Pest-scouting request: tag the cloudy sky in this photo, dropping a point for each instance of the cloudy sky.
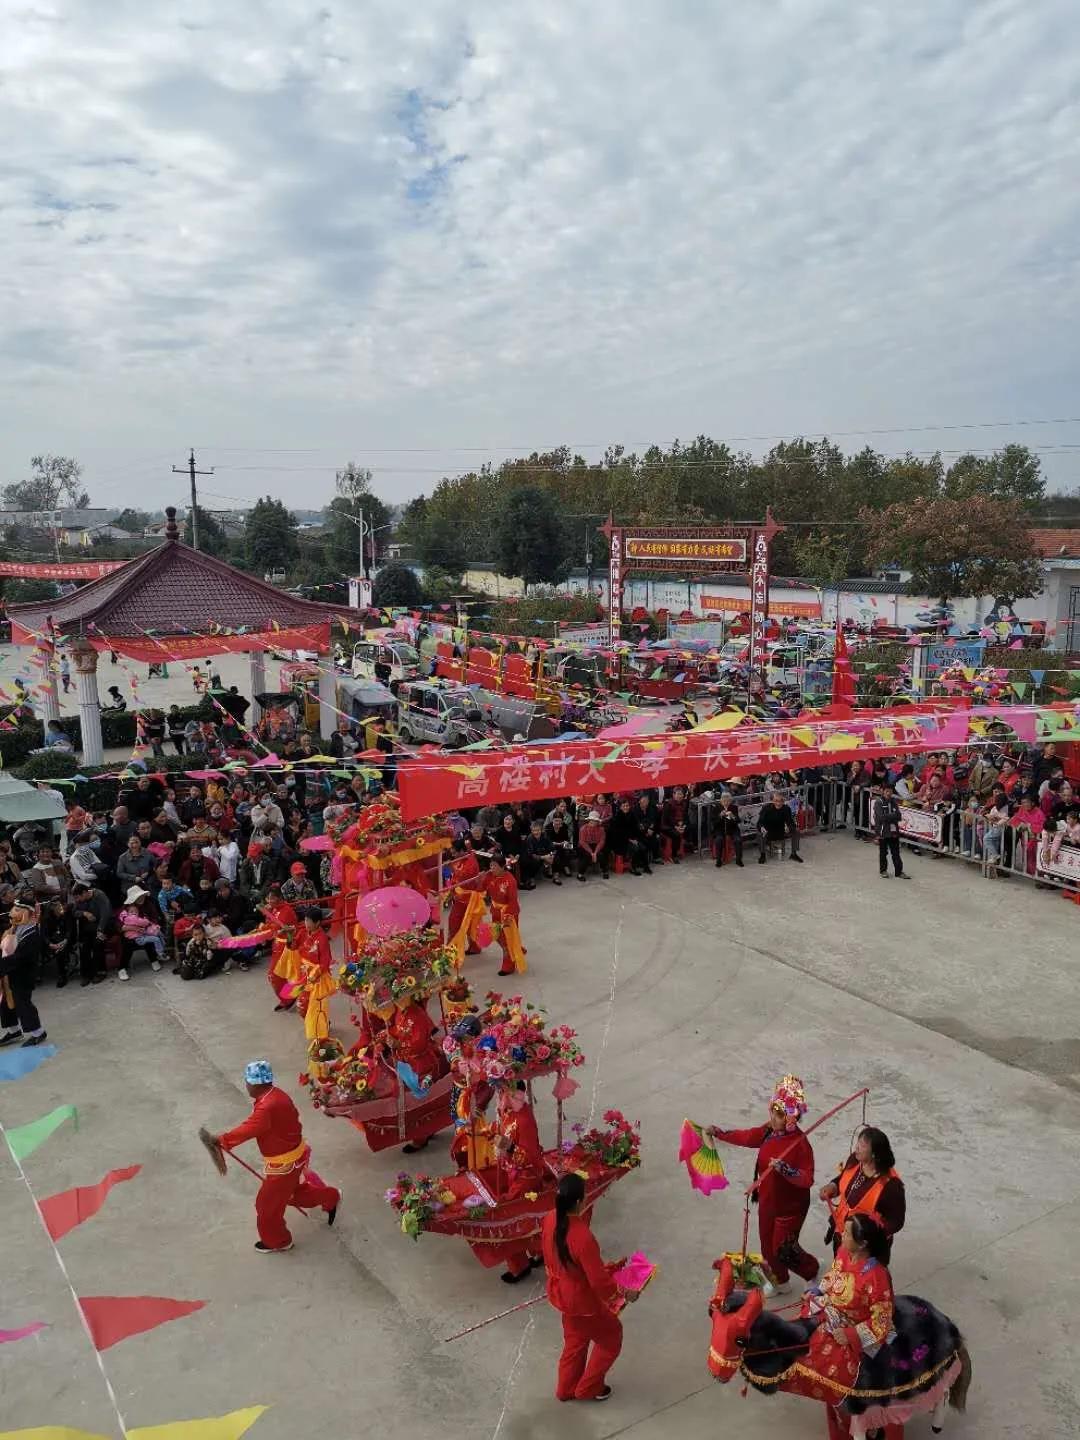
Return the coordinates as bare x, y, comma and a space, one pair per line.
419, 236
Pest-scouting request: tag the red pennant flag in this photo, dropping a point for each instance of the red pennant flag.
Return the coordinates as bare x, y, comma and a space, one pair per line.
63, 1212
112, 1318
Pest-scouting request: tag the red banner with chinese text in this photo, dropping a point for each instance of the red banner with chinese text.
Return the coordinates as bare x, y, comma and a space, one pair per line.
434, 783
62, 570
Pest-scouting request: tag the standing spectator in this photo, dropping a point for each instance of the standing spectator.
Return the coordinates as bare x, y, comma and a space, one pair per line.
648, 819
20, 955
885, 816
65, 672
93, 918
1027, 825
175, 724
591, 847
227, 857
775, 824
84, 863
10, 870
154, 730
192, 807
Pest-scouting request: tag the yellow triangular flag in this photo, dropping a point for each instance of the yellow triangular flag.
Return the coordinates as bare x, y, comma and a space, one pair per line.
726, 720
842, 742
803, 734
50, 1432
217, 1427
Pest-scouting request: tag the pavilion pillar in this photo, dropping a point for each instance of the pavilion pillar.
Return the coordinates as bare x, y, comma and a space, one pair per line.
48, 707
86, 689
257, 674
328, 716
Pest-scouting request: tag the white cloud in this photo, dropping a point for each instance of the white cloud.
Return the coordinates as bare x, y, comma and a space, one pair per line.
271, 224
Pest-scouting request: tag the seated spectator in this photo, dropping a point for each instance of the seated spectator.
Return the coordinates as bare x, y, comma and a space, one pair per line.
673, 824
624, 839
139, 931
775, 824
134, 866
1027, 823
58, 938
906, 785
84, 862
200, 959
57, 738
540, 857
298, 889
592, 847
48, 875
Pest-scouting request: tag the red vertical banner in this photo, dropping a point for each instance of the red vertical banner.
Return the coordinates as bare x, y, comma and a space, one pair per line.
615, 584
759, 603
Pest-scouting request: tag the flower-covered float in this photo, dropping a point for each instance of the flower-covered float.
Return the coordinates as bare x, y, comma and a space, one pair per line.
394, 1083
506, 1178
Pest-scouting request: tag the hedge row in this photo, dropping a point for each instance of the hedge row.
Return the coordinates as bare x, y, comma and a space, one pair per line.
116, 730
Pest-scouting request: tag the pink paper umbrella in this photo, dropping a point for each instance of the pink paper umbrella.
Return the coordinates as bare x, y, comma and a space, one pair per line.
391, 910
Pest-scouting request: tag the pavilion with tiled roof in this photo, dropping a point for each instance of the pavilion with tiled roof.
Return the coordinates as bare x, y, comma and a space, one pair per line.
173, 603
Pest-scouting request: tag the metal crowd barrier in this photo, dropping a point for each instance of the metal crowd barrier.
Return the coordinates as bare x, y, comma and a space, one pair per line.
998, 850
818, 805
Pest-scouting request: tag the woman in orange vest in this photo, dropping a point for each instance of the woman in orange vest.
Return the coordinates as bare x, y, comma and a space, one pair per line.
867, 1185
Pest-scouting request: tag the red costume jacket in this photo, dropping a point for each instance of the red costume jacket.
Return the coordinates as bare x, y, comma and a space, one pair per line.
786, 1192
274, 1125
465, 869
314, 946
585, 1287
411, 1035
502, 891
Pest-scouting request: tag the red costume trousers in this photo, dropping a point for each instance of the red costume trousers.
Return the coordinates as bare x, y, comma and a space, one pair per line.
780, 1246
582, 1375
300, 1187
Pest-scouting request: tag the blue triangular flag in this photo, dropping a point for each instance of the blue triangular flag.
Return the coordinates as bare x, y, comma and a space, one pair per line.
14, 1064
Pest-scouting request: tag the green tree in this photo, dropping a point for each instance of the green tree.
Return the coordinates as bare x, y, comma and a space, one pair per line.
442, 546
530, 538
212, 537
355, 501
824, 558
134, 521
54, 483
1009, 474
396, 584
411, 525
957, 548
270, 536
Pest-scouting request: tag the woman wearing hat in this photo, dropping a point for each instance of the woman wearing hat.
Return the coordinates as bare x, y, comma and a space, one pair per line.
784, 1177
20, 951
140, 932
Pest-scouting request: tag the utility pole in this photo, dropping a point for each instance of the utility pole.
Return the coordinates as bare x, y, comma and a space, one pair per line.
588, 557
363, 550
190, 469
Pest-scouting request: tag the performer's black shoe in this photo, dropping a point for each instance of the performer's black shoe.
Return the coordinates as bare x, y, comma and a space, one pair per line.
739, 864
413, 1147
605, 1394
509, 1278
272, 1249
797, 858
34, 1040
761, 859
10, 1039
331, 1215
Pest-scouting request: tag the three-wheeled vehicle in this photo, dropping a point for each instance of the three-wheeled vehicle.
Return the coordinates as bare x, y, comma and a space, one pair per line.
387, 658
432, 712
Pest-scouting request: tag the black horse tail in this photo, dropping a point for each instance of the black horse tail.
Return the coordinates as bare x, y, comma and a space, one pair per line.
960, 1386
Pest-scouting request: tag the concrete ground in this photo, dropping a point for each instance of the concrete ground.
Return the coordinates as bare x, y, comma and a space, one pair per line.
952, 998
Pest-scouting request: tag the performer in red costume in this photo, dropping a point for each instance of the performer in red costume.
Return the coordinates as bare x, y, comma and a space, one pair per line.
412, 1039
785, 1174
580, 1286
274, 1124
520, 1164
280, 913
466, 879
313, 945
854, 1305
502, 893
